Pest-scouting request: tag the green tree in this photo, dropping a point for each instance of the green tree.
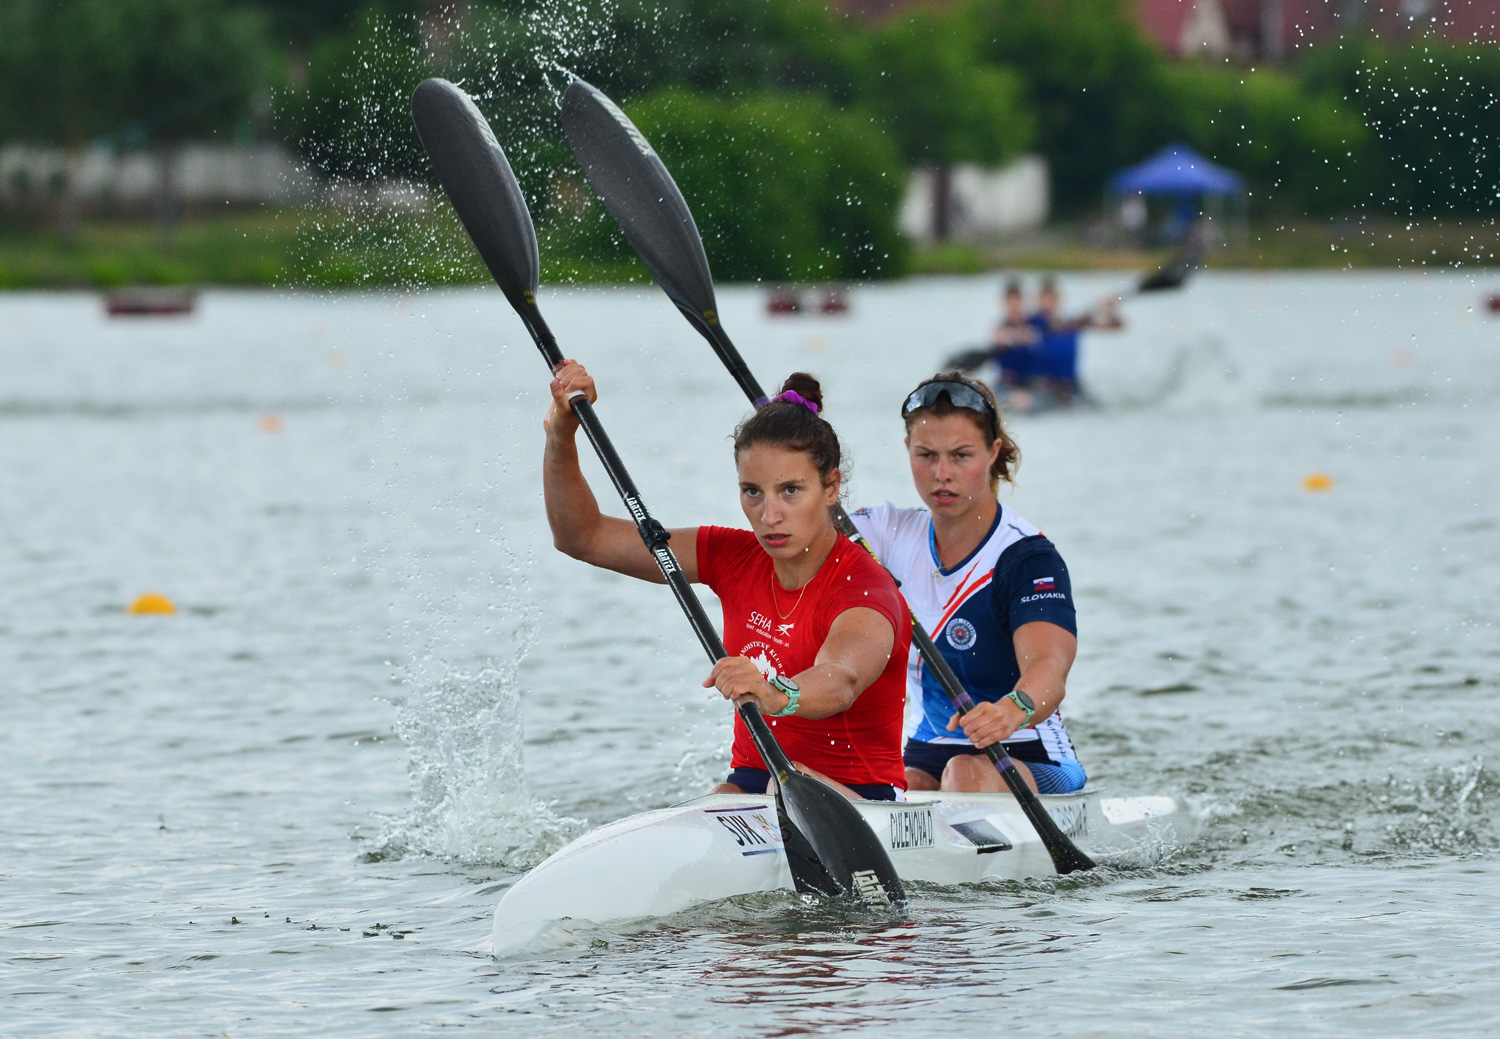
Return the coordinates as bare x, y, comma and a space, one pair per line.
783, 185
926, 77
352, 118
1092, 83
131, 70
134, 72
1433, 111
1298, 147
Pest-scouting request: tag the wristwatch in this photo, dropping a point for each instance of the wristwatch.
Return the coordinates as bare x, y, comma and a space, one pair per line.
792, 691
1022, 701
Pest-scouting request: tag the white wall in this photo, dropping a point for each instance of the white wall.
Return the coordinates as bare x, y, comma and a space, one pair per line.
201, 173
986, 203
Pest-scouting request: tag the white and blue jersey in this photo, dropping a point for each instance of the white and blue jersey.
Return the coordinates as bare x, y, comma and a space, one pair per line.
972, 611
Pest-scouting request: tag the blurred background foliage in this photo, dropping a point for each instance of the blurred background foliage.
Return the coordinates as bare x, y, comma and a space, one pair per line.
791, 127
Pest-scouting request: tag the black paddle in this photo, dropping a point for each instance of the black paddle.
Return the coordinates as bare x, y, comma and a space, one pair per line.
644, 200
830, 848
1188, 259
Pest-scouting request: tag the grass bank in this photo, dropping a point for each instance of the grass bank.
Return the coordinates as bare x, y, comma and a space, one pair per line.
328, 248
238, 249
370, 248
1332, 244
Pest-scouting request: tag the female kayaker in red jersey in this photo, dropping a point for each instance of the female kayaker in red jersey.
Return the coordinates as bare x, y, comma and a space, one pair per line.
816, 630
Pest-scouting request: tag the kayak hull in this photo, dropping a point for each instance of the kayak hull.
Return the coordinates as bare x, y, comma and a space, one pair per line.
721, 845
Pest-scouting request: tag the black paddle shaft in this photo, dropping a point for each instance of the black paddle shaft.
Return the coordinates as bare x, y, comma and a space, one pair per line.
829, 847
645, 201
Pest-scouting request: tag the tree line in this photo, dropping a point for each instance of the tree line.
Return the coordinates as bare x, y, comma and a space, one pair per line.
791, 127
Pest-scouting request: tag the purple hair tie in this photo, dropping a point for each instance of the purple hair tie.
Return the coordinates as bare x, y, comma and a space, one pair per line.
796, 398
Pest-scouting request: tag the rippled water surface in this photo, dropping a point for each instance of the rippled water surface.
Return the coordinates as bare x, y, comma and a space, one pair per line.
290, 807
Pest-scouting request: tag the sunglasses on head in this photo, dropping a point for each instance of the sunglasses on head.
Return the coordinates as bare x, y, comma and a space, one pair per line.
959, 395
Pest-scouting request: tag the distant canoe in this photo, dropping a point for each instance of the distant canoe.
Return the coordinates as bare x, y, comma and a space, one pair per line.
829, 300
150, 302
833, 303
783, 301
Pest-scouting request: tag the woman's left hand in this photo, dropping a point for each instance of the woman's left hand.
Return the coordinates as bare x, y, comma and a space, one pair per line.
740, 680
989, 723
569, 380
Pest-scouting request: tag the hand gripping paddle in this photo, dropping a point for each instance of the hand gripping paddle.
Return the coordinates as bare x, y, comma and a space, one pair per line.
644, 200
829, 847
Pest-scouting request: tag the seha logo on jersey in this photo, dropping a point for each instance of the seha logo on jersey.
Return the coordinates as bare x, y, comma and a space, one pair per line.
960, 633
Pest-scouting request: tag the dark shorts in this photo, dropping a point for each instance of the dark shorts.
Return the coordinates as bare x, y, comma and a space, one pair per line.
1052, 777
755, 780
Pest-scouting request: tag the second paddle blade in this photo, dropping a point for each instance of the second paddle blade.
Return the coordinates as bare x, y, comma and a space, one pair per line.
852, 858
642, 197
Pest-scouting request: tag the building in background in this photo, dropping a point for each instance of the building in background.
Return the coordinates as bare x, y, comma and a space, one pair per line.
969, 203
197, 177
1273, 30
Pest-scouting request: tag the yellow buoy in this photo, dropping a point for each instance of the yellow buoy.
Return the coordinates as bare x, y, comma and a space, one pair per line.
153, 603
1317, 482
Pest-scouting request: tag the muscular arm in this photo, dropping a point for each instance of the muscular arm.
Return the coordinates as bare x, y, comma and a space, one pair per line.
579, 529
1045, 652
857, 650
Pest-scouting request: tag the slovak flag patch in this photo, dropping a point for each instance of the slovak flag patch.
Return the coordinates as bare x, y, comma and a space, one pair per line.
1042, 584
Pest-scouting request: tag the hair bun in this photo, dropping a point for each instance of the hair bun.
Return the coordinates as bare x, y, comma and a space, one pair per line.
804, 386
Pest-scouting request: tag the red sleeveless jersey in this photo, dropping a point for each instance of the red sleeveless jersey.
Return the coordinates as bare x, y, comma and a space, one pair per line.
860, 745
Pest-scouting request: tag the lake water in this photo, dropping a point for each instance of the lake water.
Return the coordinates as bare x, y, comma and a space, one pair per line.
289, 809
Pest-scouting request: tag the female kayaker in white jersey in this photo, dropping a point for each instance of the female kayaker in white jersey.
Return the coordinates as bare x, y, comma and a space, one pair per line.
991, 589
816, 630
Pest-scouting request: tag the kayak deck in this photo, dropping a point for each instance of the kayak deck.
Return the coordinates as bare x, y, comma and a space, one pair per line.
721, 845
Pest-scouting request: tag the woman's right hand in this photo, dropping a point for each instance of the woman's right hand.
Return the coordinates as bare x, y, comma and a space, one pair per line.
568, 381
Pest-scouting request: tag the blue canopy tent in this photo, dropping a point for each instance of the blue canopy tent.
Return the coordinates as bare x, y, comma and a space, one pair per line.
1177, 172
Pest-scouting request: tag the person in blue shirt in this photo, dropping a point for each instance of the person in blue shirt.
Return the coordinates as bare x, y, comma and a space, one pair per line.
1054, 362
1013, 343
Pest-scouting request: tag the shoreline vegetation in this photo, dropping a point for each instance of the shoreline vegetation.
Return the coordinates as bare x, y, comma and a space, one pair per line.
349, 249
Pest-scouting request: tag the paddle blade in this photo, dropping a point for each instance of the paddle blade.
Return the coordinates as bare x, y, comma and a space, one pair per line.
969, 360
642, 197
477, 177
831, 849
1175, 272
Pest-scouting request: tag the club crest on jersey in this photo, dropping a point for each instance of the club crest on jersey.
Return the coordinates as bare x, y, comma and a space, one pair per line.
1043, 584
960, 633
764, 658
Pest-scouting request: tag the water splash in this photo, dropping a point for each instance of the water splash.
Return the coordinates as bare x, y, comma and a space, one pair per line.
470, 800
1403, 817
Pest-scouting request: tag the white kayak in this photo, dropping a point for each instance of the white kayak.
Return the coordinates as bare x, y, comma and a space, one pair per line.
722, 845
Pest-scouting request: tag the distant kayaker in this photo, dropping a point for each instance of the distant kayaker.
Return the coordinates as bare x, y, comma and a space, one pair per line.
990, 588
1054, 363
1015, 338
817, 632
